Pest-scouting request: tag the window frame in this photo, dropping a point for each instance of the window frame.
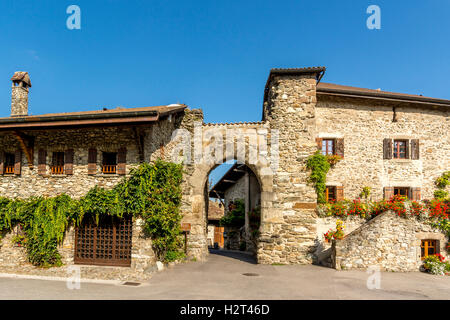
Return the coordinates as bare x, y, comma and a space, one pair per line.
9, 165
425, 246
407, 189
396, 151
109, 168
327, 193
333, 146
58, 161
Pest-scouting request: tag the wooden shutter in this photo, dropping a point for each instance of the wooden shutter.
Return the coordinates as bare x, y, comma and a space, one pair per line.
68, 161
339, 193
387, 149
92, 161
407, 149
415, 194
319, 143
340, 147
42, 162
2, 162
388, 193
415, 149
17, 162
122, 161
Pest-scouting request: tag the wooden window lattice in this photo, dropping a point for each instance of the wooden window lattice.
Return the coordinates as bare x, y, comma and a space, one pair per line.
107, 244
428, 248
9, 163
109, 162
401, 149
58, 163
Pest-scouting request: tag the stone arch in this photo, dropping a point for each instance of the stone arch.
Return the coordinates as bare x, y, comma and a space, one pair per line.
198, 179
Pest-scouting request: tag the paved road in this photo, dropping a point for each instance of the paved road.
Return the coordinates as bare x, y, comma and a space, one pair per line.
222, 277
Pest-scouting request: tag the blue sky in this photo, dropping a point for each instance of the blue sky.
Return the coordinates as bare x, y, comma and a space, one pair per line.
215, 55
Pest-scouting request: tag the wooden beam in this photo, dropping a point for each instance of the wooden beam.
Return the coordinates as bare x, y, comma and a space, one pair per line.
219, 197
27, 145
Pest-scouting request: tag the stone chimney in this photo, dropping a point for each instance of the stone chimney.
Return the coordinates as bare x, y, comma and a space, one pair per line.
19, 96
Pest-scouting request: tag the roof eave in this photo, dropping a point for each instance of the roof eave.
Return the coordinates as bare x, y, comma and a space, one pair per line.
382, 96
80, 120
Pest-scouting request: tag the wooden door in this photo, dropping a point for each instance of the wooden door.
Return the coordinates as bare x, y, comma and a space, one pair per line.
106, 244
218, 236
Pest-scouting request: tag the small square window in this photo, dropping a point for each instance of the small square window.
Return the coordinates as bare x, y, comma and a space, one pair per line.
58, 163
9, 163
401, 191
400, 149
109, 162
327, 147
330, 194
428, 248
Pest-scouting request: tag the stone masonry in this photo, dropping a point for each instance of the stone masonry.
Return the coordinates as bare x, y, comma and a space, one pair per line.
387, 241
296, 111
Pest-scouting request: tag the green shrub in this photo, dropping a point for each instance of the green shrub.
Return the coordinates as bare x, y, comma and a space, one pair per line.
444, 180
440, 194
236, 217
152, 192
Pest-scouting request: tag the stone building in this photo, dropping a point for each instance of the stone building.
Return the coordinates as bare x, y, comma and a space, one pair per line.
393, 143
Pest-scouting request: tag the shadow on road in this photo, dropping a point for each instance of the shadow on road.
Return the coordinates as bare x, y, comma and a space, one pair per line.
238, 255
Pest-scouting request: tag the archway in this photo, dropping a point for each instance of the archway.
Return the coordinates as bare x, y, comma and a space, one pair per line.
200, 200
233, 210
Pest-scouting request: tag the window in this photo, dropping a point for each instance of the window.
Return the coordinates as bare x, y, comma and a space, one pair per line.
428, 248
9, 163
330, 194
401, 191
328, 146
400, 149
109, 162
58, 163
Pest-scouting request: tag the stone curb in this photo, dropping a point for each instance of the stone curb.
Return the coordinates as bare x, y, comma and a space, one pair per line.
49, 278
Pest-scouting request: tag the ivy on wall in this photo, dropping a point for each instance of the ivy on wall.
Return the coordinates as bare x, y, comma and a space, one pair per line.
152, 192
319, 165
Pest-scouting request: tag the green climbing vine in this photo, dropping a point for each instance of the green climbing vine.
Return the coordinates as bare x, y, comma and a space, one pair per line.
319, 165
152, 192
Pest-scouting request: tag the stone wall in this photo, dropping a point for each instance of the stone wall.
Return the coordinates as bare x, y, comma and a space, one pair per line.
157, 143
323, 225
13, 259
30, 183
196, 193
388, 241
235, 192
288, 233
364, 125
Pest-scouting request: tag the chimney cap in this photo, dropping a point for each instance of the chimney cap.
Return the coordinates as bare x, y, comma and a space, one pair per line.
22, 76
